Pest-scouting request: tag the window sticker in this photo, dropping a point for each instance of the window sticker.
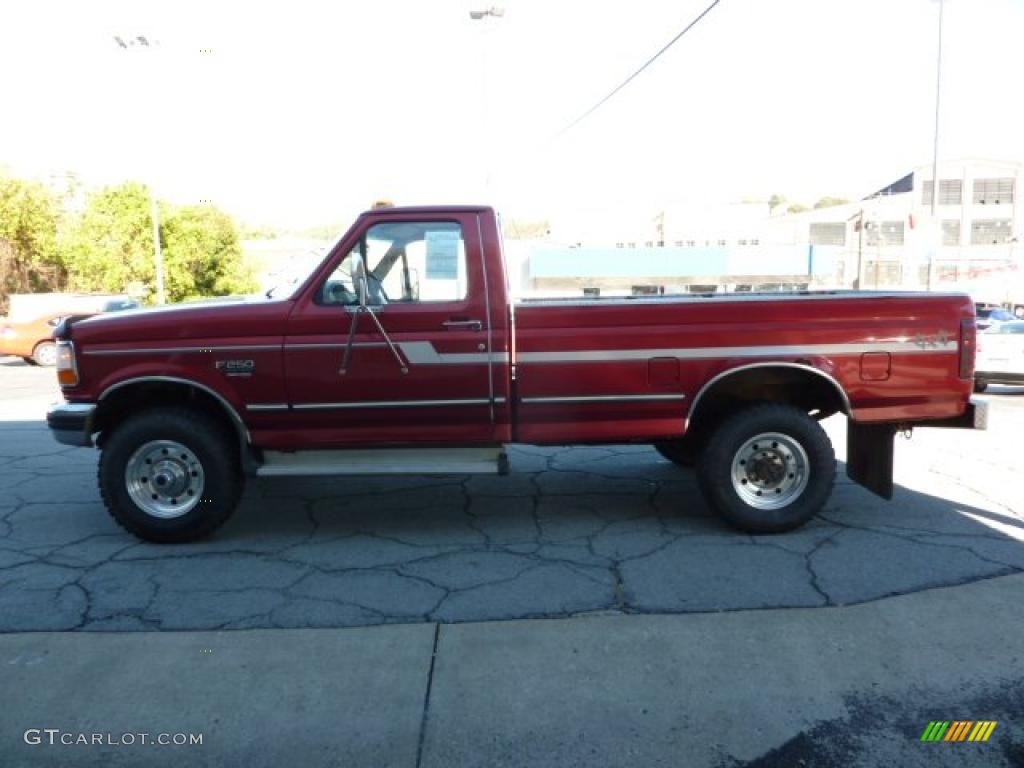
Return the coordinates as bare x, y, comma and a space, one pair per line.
442, 254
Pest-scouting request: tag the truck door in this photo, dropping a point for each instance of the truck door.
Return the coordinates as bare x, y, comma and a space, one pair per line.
414, 365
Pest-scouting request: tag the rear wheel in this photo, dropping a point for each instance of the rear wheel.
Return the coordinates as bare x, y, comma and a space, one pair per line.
767, 469
170, 475
45, 353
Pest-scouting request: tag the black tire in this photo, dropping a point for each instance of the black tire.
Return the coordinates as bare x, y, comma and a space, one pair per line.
808, 487
681, 452
45, 353
980, 385
203, 440
30, 361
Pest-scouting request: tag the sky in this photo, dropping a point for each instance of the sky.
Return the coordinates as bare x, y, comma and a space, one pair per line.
302, 113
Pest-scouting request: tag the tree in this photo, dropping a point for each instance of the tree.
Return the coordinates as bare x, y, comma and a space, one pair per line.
776, 200
797, 208
203, 256
112, 246
829, 202
29, 257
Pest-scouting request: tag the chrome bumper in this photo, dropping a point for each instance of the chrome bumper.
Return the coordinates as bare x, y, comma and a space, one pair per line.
71, 423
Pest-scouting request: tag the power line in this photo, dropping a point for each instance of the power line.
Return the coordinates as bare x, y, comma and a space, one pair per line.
646, 64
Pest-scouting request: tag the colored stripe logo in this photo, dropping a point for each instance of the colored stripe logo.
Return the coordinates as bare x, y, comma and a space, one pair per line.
958, 730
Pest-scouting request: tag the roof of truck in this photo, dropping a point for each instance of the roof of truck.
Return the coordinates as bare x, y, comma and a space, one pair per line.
406, 209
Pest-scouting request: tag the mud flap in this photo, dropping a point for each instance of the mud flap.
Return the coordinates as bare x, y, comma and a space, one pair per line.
869, 456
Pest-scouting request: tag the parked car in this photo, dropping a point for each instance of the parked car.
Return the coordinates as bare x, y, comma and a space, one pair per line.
989, 316
32, 340
1000, 355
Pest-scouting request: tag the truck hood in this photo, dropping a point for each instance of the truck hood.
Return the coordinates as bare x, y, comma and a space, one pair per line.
198, 321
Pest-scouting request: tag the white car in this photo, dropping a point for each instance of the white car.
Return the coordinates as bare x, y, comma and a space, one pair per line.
1000, 355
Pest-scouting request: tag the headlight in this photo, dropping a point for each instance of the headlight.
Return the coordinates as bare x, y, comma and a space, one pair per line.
67, 366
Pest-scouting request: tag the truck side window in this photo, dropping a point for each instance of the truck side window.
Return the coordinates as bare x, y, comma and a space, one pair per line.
406, 262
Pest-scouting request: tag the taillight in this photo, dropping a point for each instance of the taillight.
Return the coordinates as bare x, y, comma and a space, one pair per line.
67, 366
968, 347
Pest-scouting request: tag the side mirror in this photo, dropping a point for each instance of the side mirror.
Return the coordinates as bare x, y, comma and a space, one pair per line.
359, 278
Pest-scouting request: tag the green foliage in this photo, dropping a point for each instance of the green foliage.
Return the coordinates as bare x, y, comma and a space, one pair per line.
112, 247
776, 200
797, 208
202, 255
829, 202
29, 257
250, 232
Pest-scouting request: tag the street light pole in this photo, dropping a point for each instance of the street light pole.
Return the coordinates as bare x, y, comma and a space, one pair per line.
935, 156
497, 13
154, 207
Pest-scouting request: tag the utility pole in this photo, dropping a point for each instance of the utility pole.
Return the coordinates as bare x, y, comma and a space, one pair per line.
141, 41
935, 156
485, 117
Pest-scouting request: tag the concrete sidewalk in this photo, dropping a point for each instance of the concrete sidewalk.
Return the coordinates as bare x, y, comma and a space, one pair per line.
851, 686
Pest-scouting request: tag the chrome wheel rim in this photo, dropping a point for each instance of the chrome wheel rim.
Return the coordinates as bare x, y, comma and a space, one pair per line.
164, 478
770, 471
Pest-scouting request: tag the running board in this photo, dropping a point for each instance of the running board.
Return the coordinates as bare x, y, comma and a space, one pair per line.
385, 461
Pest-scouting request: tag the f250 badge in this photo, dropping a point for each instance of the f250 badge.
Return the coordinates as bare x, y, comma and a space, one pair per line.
236, 367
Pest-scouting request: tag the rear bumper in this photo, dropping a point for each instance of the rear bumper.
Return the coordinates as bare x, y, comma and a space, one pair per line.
72, 423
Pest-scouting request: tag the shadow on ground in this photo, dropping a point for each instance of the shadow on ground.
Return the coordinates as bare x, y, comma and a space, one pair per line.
571, 531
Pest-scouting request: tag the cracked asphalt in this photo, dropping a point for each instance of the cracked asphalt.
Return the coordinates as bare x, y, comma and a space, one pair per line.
572, 531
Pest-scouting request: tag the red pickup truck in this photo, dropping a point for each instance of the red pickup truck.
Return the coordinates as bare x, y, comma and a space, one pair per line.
402, 353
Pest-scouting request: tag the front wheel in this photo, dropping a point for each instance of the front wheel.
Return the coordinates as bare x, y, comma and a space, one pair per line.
767, 469
170, 475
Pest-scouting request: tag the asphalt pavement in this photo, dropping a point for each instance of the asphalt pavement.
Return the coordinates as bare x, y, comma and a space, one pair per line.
612, 546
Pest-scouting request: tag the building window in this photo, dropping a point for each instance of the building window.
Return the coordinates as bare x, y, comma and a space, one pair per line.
755, 241
721, 242
618, 245
679, 243
691, 243
648, 290
828, 233
993, 191
592, 293
742, 242
649, 244
631, 245
883, 233
950, 192
990, 231
951, 232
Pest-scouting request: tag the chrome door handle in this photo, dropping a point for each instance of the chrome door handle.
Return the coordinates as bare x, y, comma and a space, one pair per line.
458, 325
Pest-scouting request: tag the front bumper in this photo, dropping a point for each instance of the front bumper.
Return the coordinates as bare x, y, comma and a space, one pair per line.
72, 423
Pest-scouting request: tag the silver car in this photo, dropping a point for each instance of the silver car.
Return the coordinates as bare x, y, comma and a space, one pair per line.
1000, 355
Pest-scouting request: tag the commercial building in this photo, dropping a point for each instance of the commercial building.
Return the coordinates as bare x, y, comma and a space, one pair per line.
886, 240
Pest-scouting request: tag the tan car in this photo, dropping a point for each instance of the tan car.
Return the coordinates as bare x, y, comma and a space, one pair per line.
32, 340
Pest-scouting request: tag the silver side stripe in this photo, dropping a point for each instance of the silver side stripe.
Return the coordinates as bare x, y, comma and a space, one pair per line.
182, 350
704, 353
424, 352
390, 404
602, 398
370, 404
